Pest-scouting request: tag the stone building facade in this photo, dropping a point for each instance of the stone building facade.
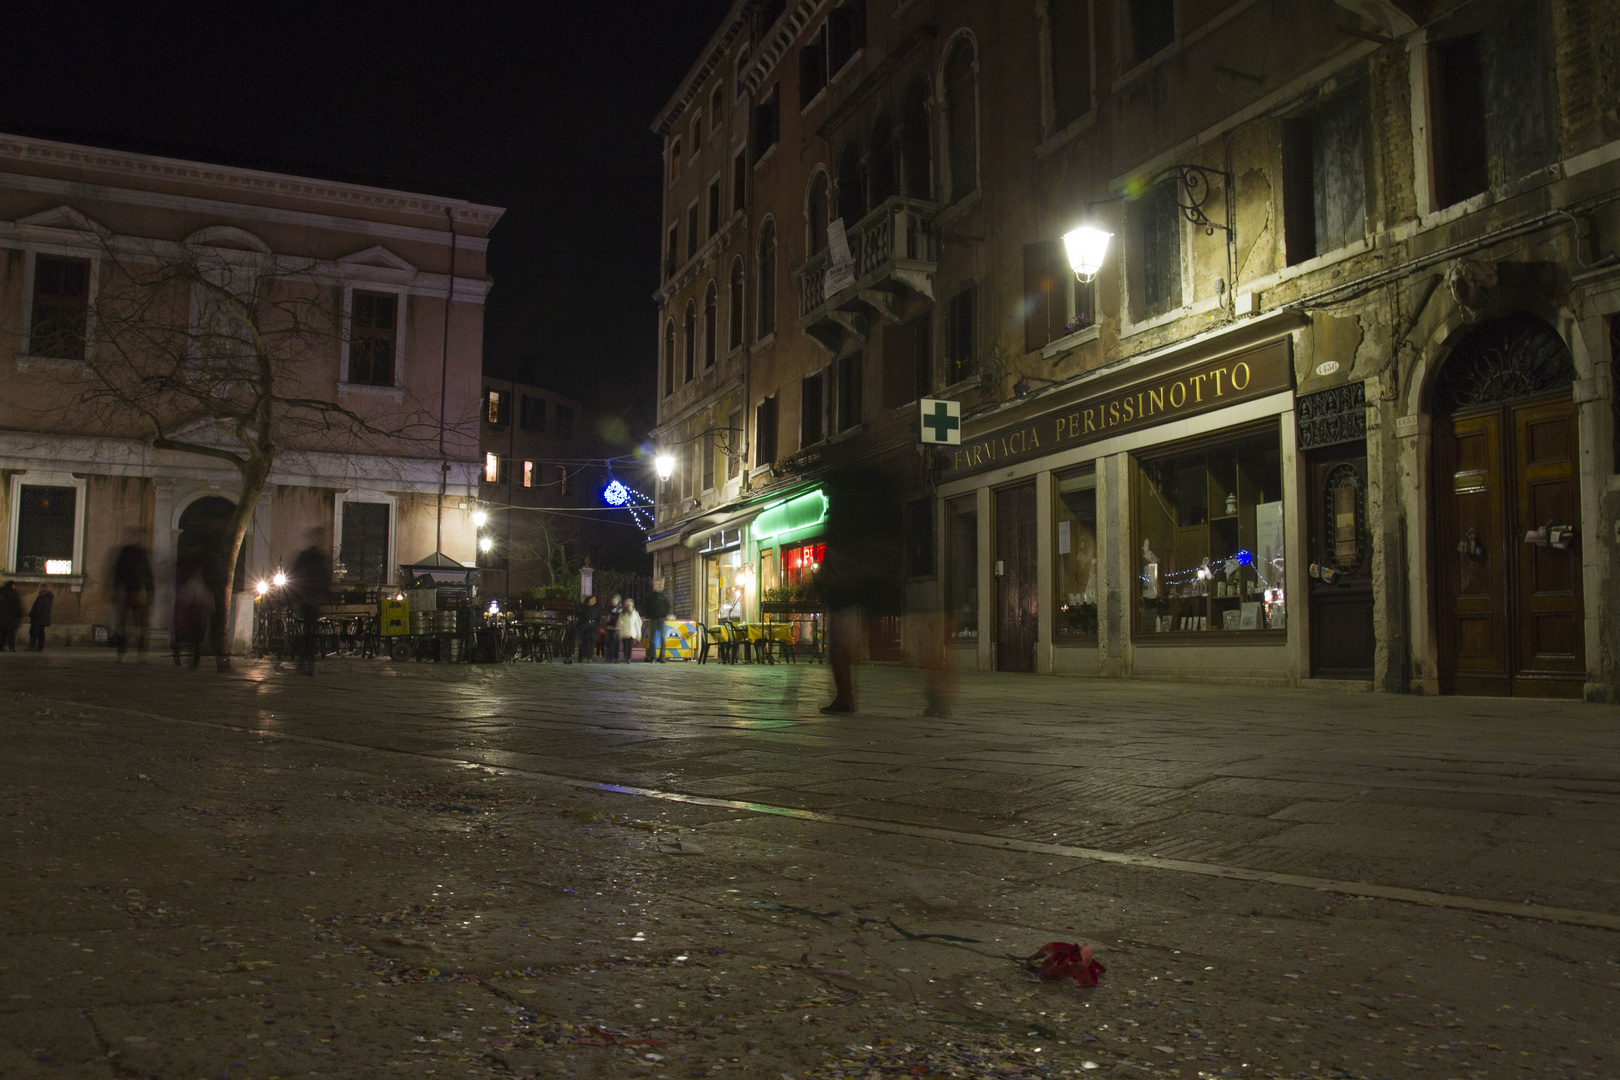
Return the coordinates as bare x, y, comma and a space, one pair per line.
399, 279
1336, 408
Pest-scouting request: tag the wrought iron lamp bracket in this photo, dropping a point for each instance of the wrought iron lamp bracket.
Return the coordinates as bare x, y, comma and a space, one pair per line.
1192, 191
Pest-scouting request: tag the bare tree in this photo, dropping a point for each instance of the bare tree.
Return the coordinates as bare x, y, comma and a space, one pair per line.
230, 355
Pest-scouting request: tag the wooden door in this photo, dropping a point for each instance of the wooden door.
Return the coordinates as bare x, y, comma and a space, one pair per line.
1472, 555
1509, 610
1014, 558
1551, 637
1339, 585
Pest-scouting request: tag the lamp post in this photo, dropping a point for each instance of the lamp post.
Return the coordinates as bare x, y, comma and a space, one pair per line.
1087, 247
665, 464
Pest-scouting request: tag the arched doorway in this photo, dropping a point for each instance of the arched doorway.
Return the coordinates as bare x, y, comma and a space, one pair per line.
200, 551
1506, 487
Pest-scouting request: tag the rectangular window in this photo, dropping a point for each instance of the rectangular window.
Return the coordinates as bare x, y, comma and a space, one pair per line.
734, 441
364, 546
1208, 541
565, 422
1153, 28
691, 230
1070, 27
709, 446
371, 339
813, 68
1074, 558
1490, 104
528, 474
674, 160
739, 180
496, 407
960, 353
850, 377
1156, 224
688, 470
846, 34
739, 84
767, 123
919, 525
717, 103
532, 414
492, 468
765, 432
672, 252
61, 308
697, 134
1324, 182
908, 360
1044, 307
812, 409
714, 207
962, 568
46, 519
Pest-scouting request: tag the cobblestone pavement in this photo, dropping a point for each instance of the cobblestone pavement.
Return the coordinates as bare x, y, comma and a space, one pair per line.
547, 870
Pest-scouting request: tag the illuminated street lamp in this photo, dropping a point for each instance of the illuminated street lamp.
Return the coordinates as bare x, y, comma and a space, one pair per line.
485, 544
1087, 246
262, 587
665, 464
479, 518
279, 580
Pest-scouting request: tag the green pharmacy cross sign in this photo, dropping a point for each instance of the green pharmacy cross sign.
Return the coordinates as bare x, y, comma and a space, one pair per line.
941, 422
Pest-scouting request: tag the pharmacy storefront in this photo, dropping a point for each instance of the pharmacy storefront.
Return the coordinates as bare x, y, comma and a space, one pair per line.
1145, 520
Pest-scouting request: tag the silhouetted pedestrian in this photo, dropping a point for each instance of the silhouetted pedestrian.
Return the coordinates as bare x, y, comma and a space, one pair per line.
193, 612
628, 629
585, 627
657, 611
132, 593
10, 616
610, 628
39, 617
309, 581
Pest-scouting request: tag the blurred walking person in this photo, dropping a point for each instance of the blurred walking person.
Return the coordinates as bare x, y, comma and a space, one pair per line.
586, 620
862, 569
610, 628
657, 613
10, 616
628, 628
39, 617
193, 612
132, 593
309, 581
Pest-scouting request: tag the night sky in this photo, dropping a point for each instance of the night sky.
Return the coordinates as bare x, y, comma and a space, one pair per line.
540, 107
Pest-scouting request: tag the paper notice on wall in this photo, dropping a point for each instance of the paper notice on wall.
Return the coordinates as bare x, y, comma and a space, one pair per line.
840, 263
1063, 537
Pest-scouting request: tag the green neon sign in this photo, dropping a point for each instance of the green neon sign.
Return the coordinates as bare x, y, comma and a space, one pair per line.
801, 512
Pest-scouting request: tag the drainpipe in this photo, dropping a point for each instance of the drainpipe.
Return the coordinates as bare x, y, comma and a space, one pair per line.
444, 377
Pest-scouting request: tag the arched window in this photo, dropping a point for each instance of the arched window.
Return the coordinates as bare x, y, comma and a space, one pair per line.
818, 212
916, 146
711, 324
962, 120
767, 280
736, 303
880, 160
691, 340
669, 357
851, 185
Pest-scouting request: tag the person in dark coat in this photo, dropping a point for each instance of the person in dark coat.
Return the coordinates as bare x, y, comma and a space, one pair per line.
10, 616
39, 617
132, 593
193, 612
586, 621
610, 626
308, 583
654, 611
862, 567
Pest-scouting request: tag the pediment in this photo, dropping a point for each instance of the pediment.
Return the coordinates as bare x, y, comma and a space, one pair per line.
229, 237
376, 255
65, 217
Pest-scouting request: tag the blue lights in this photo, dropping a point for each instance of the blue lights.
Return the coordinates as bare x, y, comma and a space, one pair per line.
616, 494
1245, 558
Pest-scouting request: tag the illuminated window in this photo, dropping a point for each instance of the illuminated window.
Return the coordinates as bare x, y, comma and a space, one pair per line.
496, 406
492, 468
46, 517
528, 474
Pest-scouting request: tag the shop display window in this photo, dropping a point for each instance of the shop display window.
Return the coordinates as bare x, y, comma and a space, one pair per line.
962, 568
724, 586
1209, 541
1074, 559
800, 562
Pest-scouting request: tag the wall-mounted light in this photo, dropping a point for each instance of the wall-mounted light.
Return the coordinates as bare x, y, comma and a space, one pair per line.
665, 464
262, 587
485, 544
480, 519
279, 579
1087, 247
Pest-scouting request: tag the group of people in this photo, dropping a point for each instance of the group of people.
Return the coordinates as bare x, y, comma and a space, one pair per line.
11, 616
612, 630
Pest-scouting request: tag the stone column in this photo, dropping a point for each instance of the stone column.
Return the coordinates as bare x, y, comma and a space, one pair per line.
163, 540
1116, 566
1043, 573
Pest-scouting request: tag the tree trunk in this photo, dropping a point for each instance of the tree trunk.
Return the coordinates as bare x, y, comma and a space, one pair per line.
254, 473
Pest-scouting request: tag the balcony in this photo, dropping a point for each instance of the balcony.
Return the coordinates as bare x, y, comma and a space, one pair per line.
895, 255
